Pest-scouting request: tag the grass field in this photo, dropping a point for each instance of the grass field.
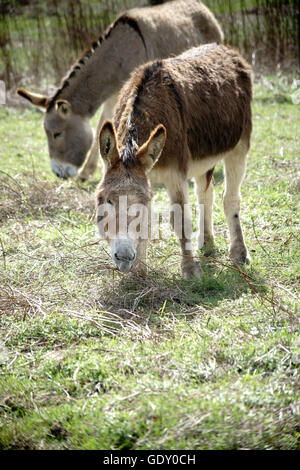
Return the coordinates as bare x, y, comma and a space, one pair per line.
93, 359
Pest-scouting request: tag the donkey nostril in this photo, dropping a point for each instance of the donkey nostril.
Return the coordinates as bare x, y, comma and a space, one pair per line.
125, 258
60, 175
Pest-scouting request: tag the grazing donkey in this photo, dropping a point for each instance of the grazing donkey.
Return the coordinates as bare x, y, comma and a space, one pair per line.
136, 37
175, 119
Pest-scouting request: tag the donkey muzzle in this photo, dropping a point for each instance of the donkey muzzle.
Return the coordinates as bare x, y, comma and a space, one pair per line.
123, 252
63, 170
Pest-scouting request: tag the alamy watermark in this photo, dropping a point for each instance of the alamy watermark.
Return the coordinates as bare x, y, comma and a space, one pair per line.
139, 221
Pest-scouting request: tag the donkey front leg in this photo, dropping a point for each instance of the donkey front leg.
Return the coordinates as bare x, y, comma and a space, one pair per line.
235, 168
90, 164
182, 224
205, 194
140, 266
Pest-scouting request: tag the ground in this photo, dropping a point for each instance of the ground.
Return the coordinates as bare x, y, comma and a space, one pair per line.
93, 359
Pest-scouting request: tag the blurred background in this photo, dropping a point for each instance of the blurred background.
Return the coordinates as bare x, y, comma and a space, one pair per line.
40, 40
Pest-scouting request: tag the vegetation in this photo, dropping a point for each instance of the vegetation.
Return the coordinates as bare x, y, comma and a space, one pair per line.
94, 359
40, 40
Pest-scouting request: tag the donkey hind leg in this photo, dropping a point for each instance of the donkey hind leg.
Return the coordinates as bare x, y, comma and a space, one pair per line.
90, 164
235, 168
181, 221
205, 196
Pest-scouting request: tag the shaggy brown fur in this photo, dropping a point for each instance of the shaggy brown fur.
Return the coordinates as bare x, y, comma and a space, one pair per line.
203, 101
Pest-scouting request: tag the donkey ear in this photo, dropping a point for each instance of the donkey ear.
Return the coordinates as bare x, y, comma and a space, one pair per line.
63, 108
151, 150
34, 98
108, 144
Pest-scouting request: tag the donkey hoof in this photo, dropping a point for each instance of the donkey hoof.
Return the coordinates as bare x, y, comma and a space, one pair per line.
81, 177
239, 256
84, 175
192, 271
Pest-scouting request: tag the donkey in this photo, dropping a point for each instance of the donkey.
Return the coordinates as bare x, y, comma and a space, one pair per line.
175, 119
134, 38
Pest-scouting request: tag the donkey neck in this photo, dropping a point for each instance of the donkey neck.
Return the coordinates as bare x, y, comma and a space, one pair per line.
102, 69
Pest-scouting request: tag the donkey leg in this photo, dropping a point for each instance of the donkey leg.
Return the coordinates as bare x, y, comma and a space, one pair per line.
90, 164
140, 266
182, 224
205, 196
235, 168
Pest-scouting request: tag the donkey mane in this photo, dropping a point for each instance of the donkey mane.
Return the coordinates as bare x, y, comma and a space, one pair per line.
128, 153
152, 72
88, 52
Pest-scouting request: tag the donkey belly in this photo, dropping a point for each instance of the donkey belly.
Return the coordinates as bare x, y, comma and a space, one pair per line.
201, 166
170, 175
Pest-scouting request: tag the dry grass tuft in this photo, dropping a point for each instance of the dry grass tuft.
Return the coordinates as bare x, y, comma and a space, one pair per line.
35, 198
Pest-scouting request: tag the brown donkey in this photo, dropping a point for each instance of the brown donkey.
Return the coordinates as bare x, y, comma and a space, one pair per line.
175, 119
136, 37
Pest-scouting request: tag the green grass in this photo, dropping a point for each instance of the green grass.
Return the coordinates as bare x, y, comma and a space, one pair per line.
93, 359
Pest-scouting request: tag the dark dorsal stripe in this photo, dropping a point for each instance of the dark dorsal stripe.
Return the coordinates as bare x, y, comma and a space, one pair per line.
126, 19
80, 62
149, 72
172, 86
157, 68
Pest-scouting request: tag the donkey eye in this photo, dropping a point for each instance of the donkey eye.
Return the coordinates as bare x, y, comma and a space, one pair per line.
56, 134
109, 202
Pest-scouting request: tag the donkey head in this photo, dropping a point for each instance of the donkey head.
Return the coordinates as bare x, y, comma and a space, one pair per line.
124, 194
69, 134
